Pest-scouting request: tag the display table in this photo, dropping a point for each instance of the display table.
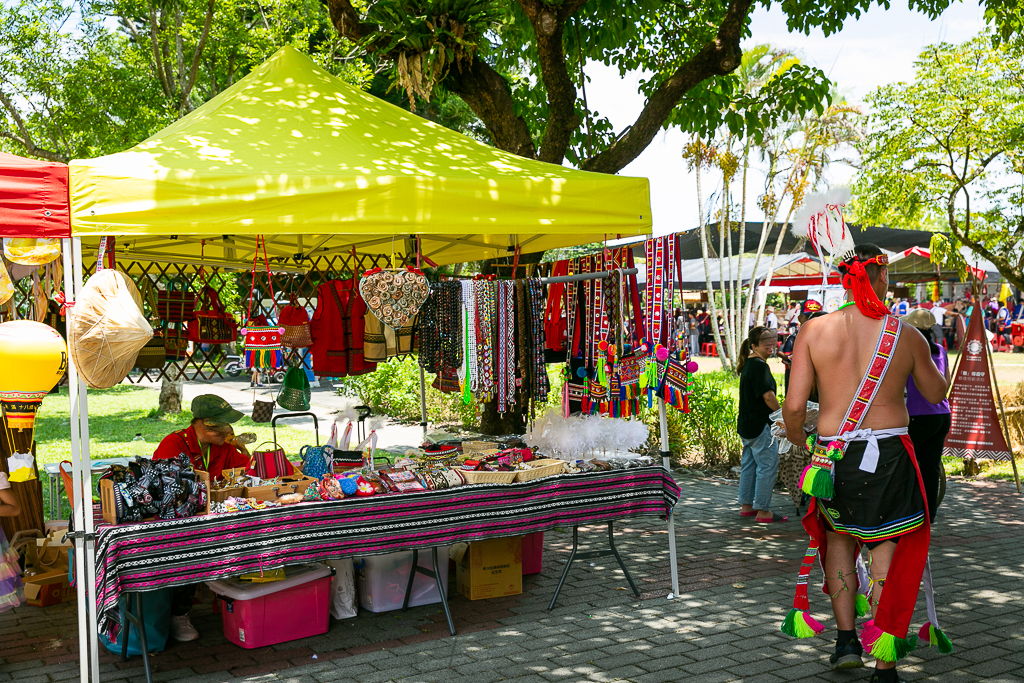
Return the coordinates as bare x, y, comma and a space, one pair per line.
156, 554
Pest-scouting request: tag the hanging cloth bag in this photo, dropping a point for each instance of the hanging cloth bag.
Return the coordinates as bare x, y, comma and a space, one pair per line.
175, 305
211, 323
295, 323
262, 342
262, 411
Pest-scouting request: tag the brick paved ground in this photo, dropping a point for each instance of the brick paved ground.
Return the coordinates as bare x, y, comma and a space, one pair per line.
736, 579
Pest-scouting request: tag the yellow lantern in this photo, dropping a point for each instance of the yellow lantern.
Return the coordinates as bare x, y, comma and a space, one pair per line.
33, 358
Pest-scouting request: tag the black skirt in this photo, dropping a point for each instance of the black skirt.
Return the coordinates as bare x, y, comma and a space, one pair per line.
880, 505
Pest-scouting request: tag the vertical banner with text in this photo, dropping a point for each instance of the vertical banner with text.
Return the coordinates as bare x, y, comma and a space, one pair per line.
975, 431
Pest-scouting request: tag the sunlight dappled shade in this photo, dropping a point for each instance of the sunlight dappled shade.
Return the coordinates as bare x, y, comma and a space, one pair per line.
290, 148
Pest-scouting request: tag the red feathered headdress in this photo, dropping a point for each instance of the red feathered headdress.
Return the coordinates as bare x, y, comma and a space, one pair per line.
855, 278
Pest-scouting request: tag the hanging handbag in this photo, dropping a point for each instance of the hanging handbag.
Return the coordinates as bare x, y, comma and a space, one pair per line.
262, 341
295, 323
295, 391
262, 411
211, 323
153, 355
270, 464
175, 306
175, 342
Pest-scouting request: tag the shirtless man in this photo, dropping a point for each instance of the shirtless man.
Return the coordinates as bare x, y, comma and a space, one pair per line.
873, 504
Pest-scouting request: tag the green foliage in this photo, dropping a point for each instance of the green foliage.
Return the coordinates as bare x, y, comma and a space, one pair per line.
947, 143
79, 80
709, 429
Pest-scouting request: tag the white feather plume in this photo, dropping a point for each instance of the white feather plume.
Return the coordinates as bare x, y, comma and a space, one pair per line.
815, 204
577, 436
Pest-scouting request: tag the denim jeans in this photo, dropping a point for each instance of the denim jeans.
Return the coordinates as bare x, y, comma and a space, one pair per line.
759, 466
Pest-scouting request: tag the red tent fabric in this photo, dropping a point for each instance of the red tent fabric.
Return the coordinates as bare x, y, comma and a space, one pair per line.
33, 198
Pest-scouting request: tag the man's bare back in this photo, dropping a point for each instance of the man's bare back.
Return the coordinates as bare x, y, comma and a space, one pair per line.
833, 352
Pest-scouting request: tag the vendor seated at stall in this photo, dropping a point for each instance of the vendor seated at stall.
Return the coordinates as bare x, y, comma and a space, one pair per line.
206, 443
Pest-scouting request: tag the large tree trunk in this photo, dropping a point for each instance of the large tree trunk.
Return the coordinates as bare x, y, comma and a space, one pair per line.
170, 396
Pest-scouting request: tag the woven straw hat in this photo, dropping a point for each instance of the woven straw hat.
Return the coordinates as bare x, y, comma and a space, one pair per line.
920, 318
106, 329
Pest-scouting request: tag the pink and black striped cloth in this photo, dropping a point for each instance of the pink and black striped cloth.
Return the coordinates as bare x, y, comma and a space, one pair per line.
156, 554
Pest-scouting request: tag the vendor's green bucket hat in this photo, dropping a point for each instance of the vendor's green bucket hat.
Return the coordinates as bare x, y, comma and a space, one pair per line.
295, 391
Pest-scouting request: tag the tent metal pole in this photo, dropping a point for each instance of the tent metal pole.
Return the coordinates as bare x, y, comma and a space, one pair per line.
666, 461
89, 577
75, 497
587, 276
423, 402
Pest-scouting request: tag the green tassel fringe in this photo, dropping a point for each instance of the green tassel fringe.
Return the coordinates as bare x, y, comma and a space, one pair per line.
863, 606
889, 648
795, 625
818, 483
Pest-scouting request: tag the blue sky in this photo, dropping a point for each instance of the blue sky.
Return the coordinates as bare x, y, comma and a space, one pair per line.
878, 48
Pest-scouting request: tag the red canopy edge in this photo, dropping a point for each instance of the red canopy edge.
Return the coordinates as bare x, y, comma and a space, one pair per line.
33, 198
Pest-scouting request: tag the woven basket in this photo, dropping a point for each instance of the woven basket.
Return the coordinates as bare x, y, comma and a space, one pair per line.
478, 446
488, 477
542, 468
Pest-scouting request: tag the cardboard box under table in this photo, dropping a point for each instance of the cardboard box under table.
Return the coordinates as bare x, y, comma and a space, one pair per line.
490, 569
261, 614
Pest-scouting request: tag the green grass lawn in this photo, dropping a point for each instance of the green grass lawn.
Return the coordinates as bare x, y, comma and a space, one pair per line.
116, 415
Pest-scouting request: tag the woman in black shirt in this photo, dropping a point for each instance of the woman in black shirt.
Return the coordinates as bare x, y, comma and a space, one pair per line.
759, 464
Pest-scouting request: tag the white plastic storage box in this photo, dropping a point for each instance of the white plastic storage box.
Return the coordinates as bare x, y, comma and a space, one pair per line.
261, 614
382, 579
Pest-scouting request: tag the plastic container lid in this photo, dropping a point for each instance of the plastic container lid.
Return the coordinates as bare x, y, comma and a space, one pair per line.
295, 575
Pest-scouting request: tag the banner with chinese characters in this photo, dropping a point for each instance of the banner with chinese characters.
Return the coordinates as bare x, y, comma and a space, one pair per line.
975, 431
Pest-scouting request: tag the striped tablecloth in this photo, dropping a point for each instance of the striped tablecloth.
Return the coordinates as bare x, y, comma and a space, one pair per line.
151, 555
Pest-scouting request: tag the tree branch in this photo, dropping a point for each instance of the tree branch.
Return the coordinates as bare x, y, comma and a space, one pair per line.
488, 95
194, 71
346, 20
25, 139
548, 24
717, 58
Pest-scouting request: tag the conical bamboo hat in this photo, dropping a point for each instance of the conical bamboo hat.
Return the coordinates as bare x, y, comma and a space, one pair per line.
106, 329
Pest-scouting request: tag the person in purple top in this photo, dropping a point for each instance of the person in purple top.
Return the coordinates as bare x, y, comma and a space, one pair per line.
929, 422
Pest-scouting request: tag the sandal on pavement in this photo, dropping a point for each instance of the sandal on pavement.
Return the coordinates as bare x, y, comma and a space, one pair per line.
776, 517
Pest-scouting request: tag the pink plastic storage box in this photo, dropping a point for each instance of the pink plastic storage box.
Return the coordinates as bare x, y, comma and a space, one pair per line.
382, 579
533, 553
261, 614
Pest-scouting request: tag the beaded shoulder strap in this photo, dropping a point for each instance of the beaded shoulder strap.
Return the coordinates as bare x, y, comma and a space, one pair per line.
874, 375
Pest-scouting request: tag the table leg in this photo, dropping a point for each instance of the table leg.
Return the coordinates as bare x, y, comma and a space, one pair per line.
139, 622
436, 575
590, 555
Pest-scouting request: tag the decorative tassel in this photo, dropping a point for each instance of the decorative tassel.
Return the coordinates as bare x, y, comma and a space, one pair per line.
863, 606
932, 635
885, 646
817, 482
800, 624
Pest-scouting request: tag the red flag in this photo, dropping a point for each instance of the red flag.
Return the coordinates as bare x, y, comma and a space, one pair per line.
975, 430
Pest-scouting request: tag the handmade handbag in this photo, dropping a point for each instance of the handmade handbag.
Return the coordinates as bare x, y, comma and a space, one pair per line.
262, 411
295, 323
175, 342
344, 460
317, 460
175, 306
153, 355
270, 464
211, 323
295, 391
262, 341
394, 295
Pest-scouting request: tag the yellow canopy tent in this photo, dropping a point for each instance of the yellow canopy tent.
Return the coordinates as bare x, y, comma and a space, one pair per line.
316, 164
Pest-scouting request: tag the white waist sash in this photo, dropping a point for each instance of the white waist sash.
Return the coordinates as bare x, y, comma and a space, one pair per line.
870, 460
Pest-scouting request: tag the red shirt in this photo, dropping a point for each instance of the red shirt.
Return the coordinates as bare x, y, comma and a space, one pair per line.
224, 457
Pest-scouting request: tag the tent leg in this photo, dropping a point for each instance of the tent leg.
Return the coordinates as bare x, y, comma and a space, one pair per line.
76, 499
423, 402
666, 461
88, 577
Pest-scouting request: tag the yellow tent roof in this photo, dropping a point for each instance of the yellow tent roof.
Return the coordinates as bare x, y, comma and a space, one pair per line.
292, 150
